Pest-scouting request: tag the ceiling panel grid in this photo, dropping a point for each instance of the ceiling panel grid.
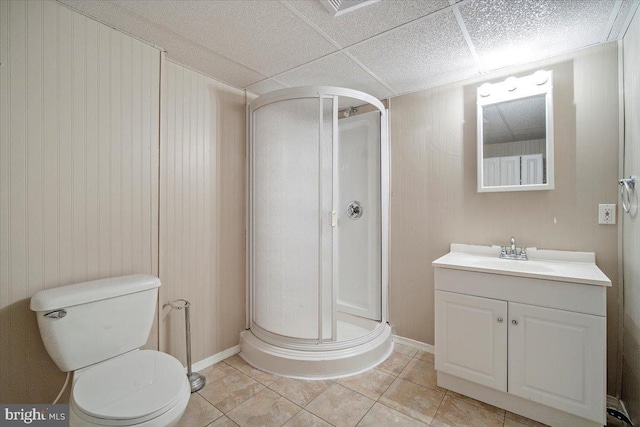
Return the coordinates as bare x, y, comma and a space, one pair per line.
386, 48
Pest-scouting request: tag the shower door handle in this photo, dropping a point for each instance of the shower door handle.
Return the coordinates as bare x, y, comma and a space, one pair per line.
333, 218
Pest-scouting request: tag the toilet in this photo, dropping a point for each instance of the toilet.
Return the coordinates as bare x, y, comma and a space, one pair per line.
95, 330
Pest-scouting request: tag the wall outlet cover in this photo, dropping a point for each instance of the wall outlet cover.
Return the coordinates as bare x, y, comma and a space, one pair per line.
606, 214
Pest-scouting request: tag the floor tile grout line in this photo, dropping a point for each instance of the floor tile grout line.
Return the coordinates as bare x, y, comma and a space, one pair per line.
435, 414
365, 414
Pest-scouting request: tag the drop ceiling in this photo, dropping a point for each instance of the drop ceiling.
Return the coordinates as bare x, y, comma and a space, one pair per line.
385, 48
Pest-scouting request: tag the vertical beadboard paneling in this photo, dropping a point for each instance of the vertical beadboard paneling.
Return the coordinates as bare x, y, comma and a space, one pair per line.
17, 191
50, 148
104, 152
126, 244
65, 177
151, 159
5, 249
631, 224
115, 151
79, 139
434, 200
91, 137
201, 211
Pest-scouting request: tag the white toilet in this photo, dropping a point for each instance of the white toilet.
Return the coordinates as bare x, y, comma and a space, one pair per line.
95, 329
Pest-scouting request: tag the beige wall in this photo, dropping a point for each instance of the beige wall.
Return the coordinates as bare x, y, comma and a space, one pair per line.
78, 171
79, 184
433, 184
89, 182
631, 224
202, 211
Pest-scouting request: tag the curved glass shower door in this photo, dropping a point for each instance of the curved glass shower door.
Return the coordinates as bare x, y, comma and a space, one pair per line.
292, 193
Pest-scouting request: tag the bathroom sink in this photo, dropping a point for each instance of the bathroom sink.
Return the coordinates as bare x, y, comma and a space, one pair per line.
563, 266
512, 265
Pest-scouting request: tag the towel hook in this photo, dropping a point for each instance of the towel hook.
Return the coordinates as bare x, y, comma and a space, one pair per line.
627, 186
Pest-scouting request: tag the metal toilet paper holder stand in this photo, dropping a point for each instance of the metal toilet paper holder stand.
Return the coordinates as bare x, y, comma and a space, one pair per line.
196, 380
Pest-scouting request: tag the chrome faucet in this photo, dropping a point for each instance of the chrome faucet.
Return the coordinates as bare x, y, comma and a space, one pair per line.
513, 252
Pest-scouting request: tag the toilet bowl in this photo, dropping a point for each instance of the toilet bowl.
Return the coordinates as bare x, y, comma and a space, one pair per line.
95, 330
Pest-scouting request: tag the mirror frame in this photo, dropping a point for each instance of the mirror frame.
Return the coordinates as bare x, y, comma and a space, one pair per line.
538, 83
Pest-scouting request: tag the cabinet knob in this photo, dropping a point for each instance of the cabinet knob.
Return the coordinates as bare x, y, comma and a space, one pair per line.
514, 322
499, 319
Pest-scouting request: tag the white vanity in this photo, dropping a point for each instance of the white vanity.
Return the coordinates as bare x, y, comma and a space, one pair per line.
526, 336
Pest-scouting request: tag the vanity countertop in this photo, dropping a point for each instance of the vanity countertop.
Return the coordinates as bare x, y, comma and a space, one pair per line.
562, 266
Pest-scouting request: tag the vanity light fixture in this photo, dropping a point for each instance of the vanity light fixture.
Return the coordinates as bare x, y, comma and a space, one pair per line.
510, 84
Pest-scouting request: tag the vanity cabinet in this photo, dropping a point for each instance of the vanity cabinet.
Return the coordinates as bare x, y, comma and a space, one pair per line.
532, 345
544, 355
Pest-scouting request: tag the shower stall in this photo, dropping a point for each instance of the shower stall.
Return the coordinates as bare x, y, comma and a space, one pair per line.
317, 279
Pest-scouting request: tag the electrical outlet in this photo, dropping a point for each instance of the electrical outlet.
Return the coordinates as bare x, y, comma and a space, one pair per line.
607, 214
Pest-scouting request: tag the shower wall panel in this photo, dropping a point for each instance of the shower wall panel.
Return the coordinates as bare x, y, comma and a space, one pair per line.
359, 239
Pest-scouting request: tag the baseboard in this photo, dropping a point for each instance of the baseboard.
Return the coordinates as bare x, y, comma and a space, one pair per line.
212, 360
414, 344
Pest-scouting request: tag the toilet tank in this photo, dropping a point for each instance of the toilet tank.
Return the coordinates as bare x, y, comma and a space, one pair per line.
89, 322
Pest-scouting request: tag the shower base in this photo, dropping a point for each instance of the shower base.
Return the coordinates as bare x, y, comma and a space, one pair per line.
357, 350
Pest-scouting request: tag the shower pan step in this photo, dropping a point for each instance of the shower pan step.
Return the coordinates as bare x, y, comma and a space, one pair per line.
314, 363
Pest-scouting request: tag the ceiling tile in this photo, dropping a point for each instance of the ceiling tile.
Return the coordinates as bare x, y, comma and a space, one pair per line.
265, 86
428, 53
178, 48
335, 70
263, 35
509, 32
368, 21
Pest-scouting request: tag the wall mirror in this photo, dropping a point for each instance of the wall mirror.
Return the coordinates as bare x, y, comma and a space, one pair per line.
515, 134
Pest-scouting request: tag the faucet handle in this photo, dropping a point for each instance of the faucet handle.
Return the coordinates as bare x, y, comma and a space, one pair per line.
523, 254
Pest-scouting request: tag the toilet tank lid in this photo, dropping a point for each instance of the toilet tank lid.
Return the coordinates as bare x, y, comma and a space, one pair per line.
95, 290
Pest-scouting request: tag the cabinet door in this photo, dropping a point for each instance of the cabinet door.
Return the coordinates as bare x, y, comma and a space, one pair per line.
491, 172
471, 338
510, 170
557, 358
531, 172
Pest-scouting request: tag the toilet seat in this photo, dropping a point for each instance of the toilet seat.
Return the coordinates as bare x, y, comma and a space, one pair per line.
130, 389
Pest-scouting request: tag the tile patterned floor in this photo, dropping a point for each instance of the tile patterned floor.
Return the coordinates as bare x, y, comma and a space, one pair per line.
401, 391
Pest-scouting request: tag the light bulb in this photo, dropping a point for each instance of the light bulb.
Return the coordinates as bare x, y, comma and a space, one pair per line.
485, 90
540, 77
